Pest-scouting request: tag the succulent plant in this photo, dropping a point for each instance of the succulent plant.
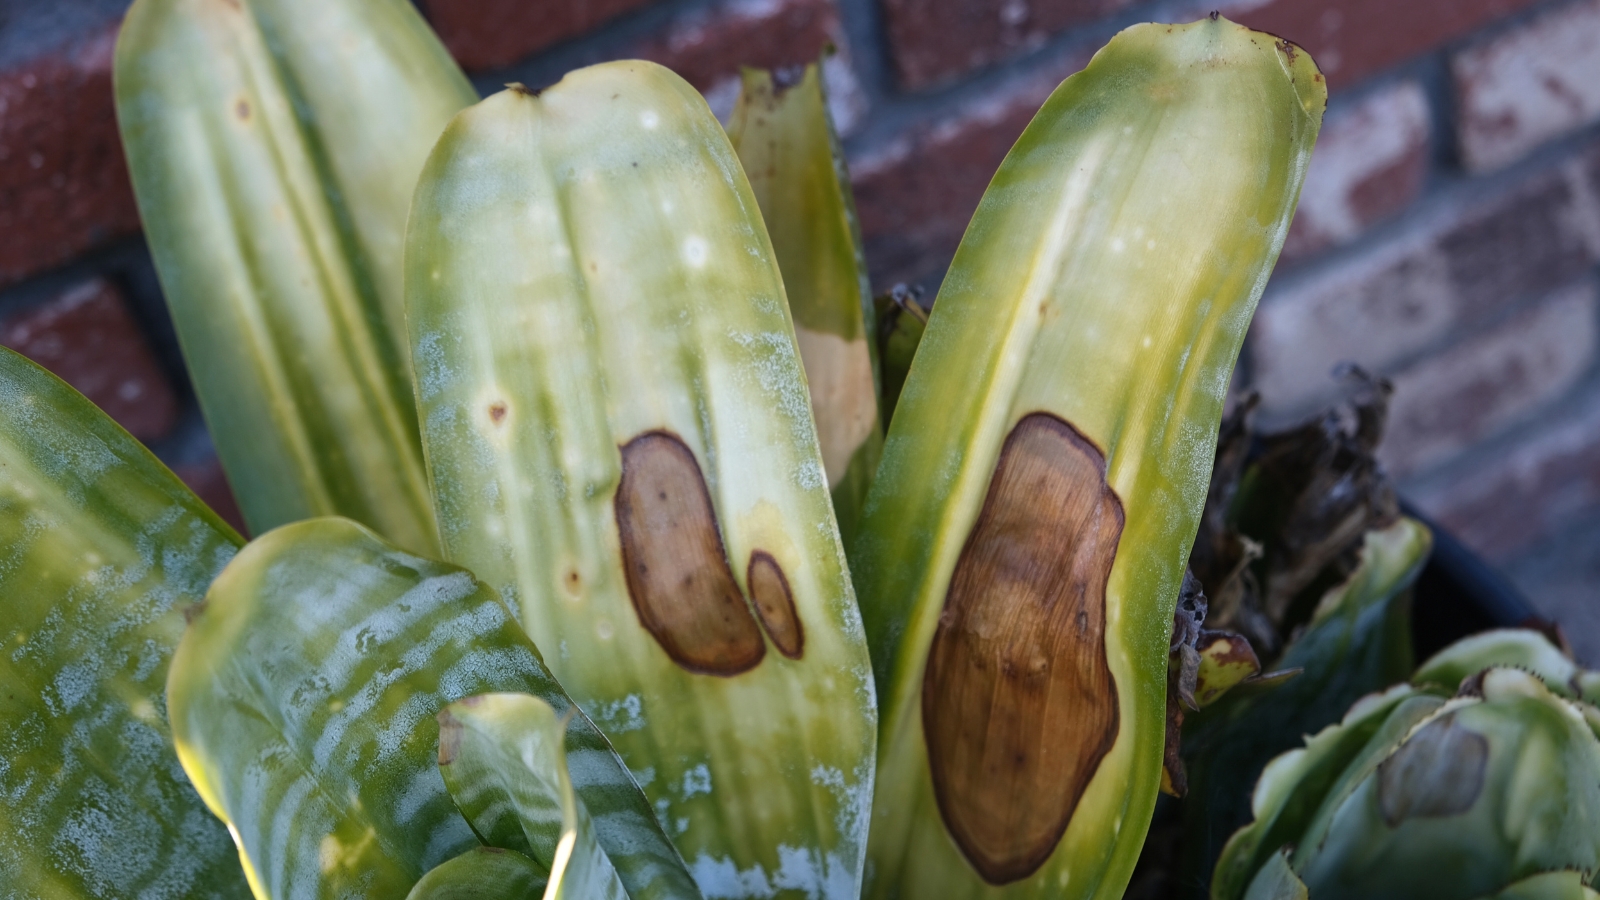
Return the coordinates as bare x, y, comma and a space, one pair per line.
1482, 786
550, 592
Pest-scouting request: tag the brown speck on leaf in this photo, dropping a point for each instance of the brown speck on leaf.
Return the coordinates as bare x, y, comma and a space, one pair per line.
242, 109
517, 87
497, 412
1020, 648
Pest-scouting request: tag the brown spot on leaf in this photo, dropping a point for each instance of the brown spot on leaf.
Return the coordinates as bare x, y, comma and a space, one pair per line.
449, 738
774, 602
672, 556
497, 412
242, 109
1439, 771
1018, 704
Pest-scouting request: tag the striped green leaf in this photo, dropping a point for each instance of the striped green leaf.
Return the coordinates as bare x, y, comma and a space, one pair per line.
101, 551
619, 440
483, 873
274, 145
303, 701
785, 140
503, 760
1026, 534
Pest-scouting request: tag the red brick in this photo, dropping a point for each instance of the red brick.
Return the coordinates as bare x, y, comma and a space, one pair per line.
707, 46
87, 338
916, 195
209, 483
1454, 269
1370, 163
1546, 480
933, 41
1531, 84
63, 182
1351, 39
488, 34
1445, 404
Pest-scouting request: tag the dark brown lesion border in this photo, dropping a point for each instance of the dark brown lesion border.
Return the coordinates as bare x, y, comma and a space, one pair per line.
1019, 705
673, 559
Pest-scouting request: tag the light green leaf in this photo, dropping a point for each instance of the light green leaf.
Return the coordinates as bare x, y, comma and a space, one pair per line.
620, 442
303, 700
274, 145
785, 140
101, 551
483, 873
503, 760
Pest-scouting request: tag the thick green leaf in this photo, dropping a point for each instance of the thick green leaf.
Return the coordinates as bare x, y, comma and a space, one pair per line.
1025, 537
1358, 642
503, 759
1547, 886
483, 873
1523, 648
101, 551
303, 700
1501, 783
1276, 881
786, 142
274, 145
1294, 785
602, 342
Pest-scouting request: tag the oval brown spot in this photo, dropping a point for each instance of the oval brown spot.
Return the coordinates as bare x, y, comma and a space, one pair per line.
242, 109
676, 569
1018, 704
774, 602
497, 412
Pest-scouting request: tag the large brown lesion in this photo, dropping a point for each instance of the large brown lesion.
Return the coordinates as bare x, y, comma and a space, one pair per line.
676, 569
1018, 703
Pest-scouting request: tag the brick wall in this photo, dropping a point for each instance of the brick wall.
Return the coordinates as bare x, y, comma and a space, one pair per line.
1448, 235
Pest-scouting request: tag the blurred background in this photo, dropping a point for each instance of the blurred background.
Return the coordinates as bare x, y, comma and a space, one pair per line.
1447, 238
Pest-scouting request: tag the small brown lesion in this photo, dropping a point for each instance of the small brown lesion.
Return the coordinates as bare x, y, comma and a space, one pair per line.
774, 603
497, 412
450, 729
1019, 705
242, 109
673, 559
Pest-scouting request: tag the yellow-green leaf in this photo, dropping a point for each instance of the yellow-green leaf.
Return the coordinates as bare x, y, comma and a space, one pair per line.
1026, 534
785, 140
620, 442
274, 145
